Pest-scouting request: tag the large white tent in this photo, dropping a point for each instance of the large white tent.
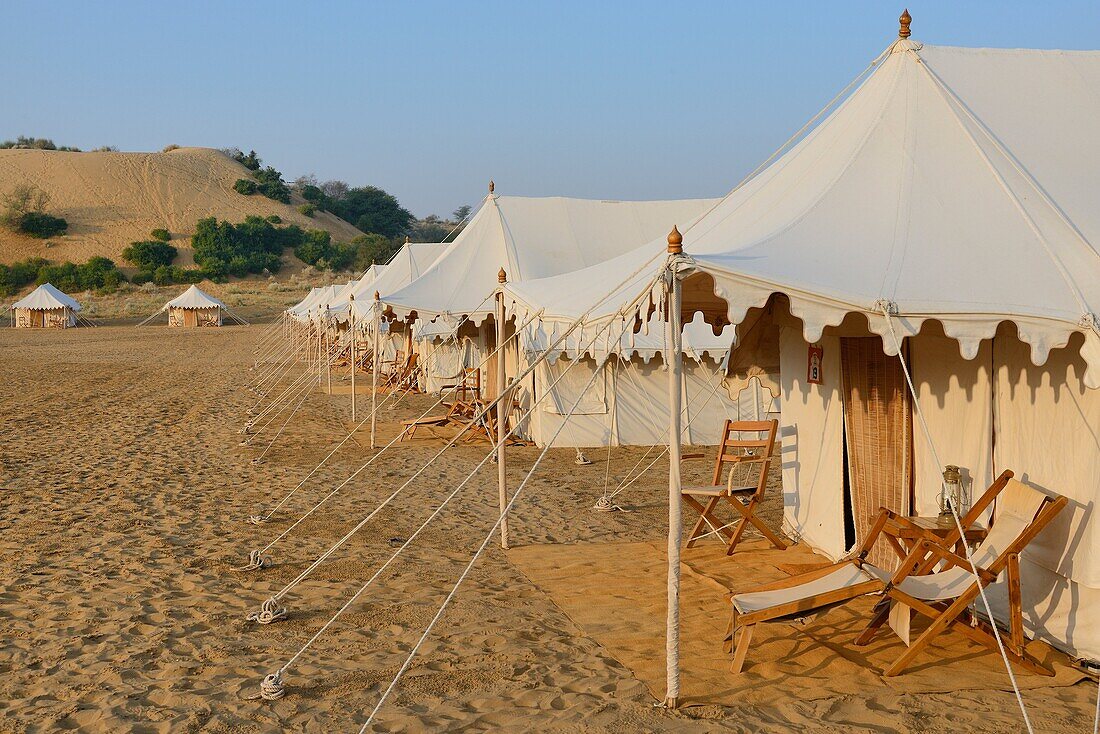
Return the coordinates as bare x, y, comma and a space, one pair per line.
950, 198
45, 307
195, 307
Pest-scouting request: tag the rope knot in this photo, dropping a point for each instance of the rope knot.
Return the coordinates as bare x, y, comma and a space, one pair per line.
255, 562
1090, 321
269, 612
272, 688
257, 519
605, 504
886, 306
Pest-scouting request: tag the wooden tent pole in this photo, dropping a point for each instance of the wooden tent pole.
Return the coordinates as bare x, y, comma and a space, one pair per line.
673, 357
502, 412
374, 367
327, 349
351, 320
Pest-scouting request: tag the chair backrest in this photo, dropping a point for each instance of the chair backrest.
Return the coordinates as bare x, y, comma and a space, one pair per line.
471, 383
1021, 512
746, 442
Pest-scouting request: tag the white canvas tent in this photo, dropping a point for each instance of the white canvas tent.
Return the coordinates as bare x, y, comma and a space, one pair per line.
949, 198
45, 307
527, 237
195, 308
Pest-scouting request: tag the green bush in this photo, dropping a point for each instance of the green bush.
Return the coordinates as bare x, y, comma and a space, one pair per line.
245, 186
314, 247
18, 275
161, 234
307, 210
270, 183
254, 245
371, 249
275, 219
169, 275
42, 225
98, 273
149, 255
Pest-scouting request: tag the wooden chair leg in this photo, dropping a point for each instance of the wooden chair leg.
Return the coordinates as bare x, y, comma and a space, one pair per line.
939, 624
882, 614
706, 513
744, 636
738, 530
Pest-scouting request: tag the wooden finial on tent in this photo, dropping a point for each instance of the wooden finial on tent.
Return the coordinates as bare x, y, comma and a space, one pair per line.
406, 239
905, 20
502, 277
675, 242
492, 186
351, 296
377, 295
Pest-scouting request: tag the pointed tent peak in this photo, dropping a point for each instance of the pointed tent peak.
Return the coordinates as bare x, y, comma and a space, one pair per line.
905, 20
47, 297
492, 187
502, 277
194, 297
675, 241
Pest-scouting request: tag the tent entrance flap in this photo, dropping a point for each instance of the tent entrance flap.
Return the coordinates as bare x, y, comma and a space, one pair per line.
878, 426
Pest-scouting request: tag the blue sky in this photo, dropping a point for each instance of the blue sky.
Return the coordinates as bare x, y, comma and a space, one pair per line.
430, 99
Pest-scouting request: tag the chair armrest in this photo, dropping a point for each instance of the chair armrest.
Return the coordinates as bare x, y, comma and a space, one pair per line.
954, 559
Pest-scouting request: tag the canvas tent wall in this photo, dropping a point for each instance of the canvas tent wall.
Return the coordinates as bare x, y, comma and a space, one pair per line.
45, 308
628, 404
951, 196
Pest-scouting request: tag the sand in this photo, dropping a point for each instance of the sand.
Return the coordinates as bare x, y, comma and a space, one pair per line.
112, 199
123, 498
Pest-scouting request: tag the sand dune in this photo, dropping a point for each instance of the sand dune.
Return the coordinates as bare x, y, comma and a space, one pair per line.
113, 199
123, 495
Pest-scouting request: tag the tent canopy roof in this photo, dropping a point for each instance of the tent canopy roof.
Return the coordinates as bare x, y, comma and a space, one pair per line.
531, 238
46, 298
193, 298
953, 184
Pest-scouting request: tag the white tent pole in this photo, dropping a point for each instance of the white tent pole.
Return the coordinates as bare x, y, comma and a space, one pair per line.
351, 318
327, 349
502, 414
675, 523
374, 367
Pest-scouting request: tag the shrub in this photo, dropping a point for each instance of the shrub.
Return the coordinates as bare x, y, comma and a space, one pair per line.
161, 234
307, 210
170, 148
250, 161
16, 276
21, 200
270, 183
373, 248
149, 255
223, 249
105, 149
41, 225
245, 186
98, 273
275, 219
314, 247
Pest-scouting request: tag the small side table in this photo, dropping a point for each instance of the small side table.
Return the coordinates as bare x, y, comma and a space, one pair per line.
904, 537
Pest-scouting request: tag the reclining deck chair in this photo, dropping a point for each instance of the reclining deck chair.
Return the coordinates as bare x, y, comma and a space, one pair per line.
738, 452
932, 580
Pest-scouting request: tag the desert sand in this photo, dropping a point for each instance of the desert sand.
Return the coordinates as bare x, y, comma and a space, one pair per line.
112, 199
123, 499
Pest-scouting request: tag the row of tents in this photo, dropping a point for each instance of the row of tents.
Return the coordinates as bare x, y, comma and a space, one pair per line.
912, 281
46, 307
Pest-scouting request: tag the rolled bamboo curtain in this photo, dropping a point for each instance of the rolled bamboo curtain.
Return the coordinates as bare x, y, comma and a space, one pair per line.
878, 421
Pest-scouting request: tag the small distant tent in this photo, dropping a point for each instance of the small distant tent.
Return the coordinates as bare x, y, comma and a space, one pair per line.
46, 308
194, 308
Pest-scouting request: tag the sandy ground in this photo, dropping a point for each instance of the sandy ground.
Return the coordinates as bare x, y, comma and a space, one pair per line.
112, 199
123, 498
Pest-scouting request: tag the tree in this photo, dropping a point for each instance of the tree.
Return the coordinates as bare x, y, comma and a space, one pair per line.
462, 212
149, 255
335, 189
374, 211
245, 186
373, 249
22, 211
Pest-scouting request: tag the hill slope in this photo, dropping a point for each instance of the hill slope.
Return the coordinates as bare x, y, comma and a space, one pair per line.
113, 199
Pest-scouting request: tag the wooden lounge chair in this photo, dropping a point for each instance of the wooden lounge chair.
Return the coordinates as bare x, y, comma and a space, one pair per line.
932, 581
741, 492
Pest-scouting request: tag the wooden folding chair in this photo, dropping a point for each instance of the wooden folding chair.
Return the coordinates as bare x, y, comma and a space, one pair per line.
932, 580
736, 451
